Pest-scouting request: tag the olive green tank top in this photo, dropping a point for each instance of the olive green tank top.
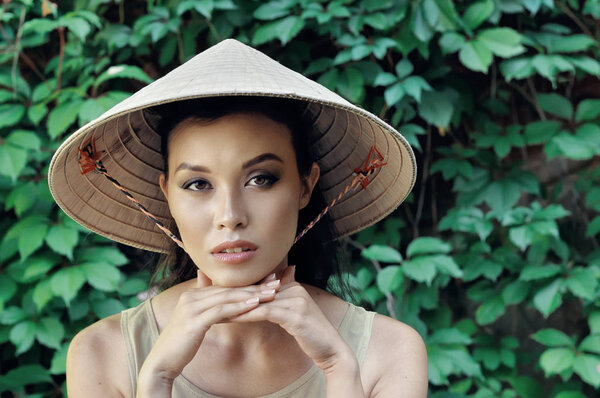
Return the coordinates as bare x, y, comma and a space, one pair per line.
139, 329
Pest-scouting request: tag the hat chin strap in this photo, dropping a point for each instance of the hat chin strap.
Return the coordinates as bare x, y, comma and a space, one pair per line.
89, 160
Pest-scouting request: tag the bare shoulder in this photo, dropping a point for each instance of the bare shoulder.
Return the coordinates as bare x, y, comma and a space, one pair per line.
97, 361
396, 360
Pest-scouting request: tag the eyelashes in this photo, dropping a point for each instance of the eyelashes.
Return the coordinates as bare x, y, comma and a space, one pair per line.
262, 180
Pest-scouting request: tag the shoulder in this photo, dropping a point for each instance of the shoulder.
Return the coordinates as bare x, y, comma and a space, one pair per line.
396, 359
97, 363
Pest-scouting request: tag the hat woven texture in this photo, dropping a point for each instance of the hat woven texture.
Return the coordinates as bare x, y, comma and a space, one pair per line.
340, 141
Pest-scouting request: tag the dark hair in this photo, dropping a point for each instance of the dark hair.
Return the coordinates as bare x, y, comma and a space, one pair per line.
317, 254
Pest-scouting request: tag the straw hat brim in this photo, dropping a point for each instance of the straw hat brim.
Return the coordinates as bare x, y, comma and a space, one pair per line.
341, 138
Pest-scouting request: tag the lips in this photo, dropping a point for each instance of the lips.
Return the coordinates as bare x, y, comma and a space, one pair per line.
234, 252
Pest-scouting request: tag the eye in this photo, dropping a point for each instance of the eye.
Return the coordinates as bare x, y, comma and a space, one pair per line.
262, 180
197, 185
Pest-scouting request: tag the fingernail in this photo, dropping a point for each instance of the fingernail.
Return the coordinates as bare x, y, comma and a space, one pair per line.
253, 300
274, 283
268, 291
270, 277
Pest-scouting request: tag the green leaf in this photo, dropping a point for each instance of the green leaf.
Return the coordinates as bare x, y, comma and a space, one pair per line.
67, 282
515, 292
420, 269
385, 79
477, 13
556, 105
382, 253
594, 322
582, 282
24, 139
572, 147
586, 366
8, 288
11, 114
517, 68
272, 10
42, 294
404, 68
58, 366
548, 298
556, 360
451, 42
12, 161
22, 336
63, 116
50, 332
490, 310
588, 109
586, 64
133, 286
102, 276
12, 315
351, 84
427, 245
109, 254
449, 336
414, 86
394, 94
107, 307
476, 56
502, 195
436, 108
534, 272
17, 378
503, 42
571, 43
62, 240
590, 344
389, 279
552, 338
593, 227
540, 132
122, 72
31, 239
284, 29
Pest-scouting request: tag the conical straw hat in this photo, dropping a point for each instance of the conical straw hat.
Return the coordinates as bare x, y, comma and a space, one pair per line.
341, 139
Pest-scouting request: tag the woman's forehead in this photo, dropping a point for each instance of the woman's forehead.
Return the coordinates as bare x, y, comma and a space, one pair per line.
233, 135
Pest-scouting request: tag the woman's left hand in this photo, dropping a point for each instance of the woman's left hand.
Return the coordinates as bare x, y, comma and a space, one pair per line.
295, 311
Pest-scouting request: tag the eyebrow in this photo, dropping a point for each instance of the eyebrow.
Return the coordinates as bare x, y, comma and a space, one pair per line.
256, 160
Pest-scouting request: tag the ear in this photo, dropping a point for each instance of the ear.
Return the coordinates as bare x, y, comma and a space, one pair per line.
308, 184
162, 182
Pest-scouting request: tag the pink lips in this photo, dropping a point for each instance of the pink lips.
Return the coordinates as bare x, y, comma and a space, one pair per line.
248, 251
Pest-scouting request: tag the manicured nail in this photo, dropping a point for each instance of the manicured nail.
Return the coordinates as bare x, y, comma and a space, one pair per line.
268, 291
270, 277
274, 283
253, 300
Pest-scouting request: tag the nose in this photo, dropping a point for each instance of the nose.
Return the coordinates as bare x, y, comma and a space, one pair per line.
231, 211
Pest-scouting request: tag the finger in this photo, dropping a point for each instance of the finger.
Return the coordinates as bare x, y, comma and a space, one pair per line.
202, 280
268, 278
198, 305
227, 311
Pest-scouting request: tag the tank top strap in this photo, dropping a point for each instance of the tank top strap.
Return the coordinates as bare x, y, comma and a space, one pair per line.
139, 333
356, 330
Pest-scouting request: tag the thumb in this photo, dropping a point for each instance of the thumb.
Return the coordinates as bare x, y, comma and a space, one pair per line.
202, 280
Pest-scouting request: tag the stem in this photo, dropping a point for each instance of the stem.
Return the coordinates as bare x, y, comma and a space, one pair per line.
390, 300
534, 97
423, 185
574, 18
121, 12
17, 50
180, 47
61, 35
529, 99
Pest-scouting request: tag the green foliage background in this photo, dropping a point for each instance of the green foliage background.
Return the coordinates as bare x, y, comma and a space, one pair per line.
494, 258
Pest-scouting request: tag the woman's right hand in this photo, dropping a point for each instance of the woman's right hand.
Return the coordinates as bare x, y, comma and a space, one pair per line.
196, 311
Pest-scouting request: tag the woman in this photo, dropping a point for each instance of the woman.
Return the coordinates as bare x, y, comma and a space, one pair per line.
234, 175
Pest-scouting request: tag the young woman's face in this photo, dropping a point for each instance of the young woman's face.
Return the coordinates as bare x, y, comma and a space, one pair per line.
234, 191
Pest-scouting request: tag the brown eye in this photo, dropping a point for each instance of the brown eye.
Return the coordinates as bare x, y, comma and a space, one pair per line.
262, 180
197, 185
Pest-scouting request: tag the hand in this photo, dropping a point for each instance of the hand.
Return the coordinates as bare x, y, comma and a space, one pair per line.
196, 310
296, 312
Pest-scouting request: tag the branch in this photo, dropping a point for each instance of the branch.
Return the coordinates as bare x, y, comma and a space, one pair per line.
533, 103
17, 52
61, 35
424, 178
574, 18
390, 300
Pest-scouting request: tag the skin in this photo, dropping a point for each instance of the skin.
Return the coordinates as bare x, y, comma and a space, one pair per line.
261, 328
